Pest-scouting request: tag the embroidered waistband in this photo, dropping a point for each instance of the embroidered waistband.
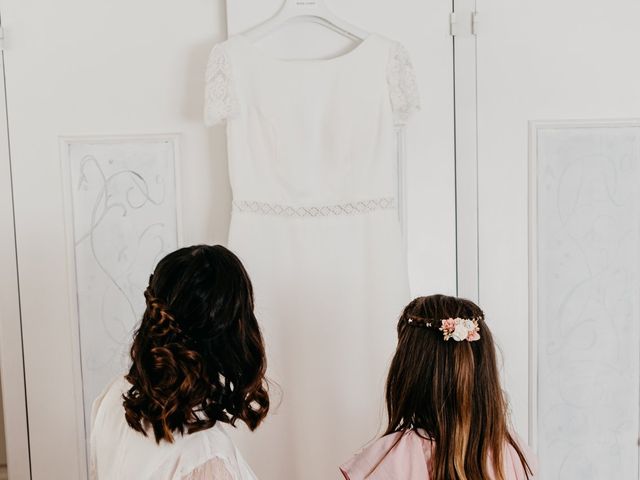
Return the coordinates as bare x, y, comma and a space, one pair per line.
350, 208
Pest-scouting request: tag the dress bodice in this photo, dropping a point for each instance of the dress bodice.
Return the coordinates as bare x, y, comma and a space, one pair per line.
311, 135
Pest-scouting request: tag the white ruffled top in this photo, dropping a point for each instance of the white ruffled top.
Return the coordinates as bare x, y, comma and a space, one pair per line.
119, 452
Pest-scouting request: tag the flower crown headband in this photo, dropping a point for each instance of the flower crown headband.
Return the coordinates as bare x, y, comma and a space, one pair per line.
457, 328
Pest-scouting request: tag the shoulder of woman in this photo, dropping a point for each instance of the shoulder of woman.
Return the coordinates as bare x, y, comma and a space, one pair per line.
213, 442
113, 391
398, 455
199, 451
514, 466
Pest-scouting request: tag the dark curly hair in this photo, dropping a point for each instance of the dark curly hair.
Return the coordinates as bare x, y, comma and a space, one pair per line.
198, 355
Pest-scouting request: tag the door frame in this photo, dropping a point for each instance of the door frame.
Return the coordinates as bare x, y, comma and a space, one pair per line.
11, 340
463, 24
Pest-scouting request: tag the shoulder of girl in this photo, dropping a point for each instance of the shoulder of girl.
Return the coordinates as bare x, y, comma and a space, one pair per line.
398, 455
529, 455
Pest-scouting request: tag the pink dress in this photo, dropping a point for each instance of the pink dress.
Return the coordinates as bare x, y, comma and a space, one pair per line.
410, 458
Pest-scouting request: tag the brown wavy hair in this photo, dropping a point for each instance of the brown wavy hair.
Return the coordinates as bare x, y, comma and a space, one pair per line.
450, 391
198, 356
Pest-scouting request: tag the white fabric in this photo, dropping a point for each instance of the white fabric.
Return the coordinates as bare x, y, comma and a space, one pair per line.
403, 88
220, 93
312, 160
215, 469
120, 453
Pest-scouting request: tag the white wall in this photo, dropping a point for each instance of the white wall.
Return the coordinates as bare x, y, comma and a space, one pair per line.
78, 67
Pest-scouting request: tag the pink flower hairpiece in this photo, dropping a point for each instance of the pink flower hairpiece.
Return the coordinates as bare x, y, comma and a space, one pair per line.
461, 329
457, 328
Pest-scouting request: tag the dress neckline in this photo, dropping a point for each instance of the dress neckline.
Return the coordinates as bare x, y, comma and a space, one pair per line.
272, 58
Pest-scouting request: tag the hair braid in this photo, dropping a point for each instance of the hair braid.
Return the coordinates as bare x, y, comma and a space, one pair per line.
178, 379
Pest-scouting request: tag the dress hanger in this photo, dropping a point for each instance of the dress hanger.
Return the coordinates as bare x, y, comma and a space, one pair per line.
314, 11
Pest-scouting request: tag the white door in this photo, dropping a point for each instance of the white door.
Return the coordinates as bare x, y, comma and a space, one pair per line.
76, 68
551, 62
114, 71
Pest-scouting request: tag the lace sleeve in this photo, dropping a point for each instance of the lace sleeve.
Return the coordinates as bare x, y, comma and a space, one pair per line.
214, 469
403, 88
221, 102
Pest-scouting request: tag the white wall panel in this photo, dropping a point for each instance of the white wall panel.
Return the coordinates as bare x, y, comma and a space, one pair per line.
586, 235
122, 217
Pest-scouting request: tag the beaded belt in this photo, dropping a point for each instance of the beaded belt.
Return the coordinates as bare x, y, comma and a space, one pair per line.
350, 208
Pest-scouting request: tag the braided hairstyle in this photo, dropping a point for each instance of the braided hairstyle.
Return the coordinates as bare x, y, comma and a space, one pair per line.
198, 356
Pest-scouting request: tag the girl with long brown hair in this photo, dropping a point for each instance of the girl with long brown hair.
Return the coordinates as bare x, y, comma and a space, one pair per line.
447, 414
197, 363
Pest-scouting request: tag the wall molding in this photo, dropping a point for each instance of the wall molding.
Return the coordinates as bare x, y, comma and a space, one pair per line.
65, 142
535, 126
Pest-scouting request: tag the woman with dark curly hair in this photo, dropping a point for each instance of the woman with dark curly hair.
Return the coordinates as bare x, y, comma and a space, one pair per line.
197, 363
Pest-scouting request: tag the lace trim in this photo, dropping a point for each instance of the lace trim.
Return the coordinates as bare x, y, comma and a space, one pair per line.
351, 208
403, 87
220, 96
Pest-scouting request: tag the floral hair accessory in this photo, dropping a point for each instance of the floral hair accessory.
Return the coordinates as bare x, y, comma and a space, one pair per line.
457, 328
461, 329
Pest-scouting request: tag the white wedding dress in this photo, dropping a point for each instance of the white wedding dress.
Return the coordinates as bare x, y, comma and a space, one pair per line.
312, 159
